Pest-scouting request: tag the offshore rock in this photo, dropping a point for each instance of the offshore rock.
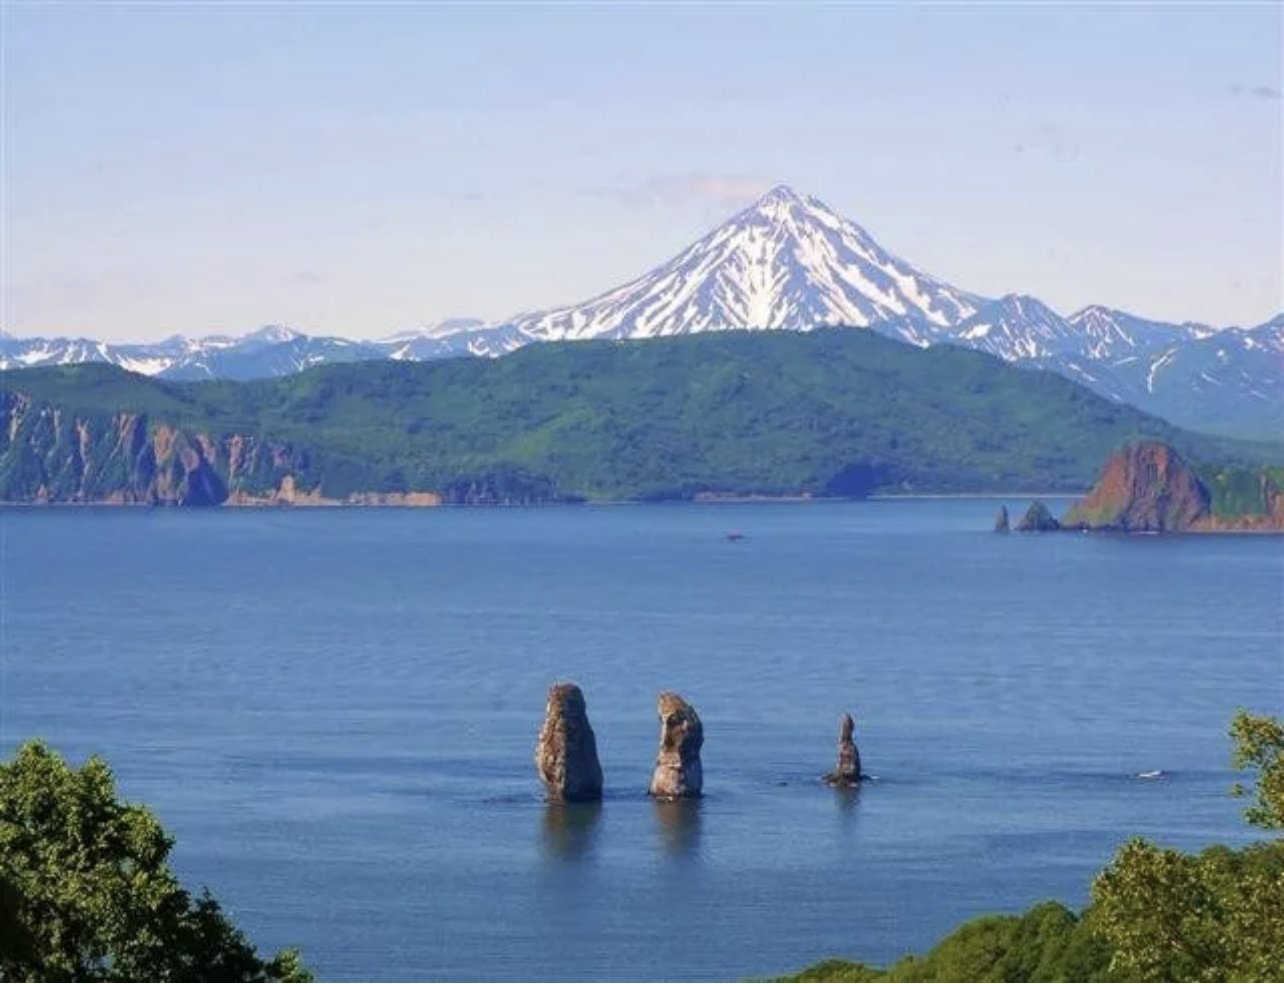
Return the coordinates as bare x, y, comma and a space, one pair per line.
1146, 488
1037, 519
1001, 522
847, 771
678, 772
566, 754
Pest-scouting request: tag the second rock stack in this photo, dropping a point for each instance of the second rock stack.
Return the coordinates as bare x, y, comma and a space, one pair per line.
678, 772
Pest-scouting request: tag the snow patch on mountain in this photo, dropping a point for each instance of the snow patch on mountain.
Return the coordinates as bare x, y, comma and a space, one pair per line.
1105, 332
1015, 328
786, 262
460, 337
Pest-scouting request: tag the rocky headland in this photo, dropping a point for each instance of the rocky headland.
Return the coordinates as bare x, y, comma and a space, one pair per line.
1149, 488
50, 455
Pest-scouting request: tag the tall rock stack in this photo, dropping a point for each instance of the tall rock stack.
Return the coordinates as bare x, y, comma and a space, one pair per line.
847, 771
566, 754
678, 772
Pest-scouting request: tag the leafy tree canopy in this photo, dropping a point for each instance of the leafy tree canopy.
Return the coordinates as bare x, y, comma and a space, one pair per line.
86, 892
1259, 745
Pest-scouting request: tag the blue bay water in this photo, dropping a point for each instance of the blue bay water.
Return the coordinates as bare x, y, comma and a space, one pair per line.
335, 714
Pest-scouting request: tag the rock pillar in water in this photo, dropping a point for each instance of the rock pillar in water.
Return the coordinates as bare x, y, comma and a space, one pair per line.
1037, 519
566, 755
678, 772
1001, 523
847, 771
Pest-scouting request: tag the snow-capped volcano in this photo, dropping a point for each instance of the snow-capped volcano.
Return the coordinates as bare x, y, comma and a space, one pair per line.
785, 262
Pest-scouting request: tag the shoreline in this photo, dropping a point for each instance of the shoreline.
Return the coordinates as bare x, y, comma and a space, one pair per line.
416, 503
394, 501
982, 495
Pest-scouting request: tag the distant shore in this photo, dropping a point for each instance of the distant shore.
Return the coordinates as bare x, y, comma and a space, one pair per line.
981, 495
429, 501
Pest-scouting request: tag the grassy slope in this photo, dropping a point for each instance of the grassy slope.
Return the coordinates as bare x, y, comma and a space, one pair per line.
831, 412
1241, 491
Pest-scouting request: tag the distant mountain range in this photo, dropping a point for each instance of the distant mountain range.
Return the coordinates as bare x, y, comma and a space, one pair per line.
831, 412
792, 263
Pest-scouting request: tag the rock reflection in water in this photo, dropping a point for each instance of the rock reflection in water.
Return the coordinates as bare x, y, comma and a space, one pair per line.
570, 829
848, 798
678, 823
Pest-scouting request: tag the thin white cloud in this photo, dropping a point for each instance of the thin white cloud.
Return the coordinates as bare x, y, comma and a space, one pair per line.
681, 189
1256, 91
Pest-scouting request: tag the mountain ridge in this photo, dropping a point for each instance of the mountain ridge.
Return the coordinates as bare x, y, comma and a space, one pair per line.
830, 412
789, 262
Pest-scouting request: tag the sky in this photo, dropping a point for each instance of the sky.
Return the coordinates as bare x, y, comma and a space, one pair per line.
364, 169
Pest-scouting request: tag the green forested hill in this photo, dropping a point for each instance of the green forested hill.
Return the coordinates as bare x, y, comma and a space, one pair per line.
832, 412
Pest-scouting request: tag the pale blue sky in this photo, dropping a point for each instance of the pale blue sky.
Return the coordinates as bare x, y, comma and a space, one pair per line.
363, 169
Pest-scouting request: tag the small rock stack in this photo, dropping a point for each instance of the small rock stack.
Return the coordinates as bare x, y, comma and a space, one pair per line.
1038, 519
847, 771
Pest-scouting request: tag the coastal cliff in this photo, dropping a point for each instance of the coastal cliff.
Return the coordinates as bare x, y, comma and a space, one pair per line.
52, 455
1150, 488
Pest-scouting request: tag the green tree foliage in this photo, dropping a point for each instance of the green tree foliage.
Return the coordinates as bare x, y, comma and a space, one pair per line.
1156, 914
86, 892
1259, 745
1241, 491
1047, 943
1169, 916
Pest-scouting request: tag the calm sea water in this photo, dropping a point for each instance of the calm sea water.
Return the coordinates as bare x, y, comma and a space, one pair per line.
335, 712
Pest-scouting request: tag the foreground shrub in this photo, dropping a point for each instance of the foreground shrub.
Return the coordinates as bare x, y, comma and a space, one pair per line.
86, 892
